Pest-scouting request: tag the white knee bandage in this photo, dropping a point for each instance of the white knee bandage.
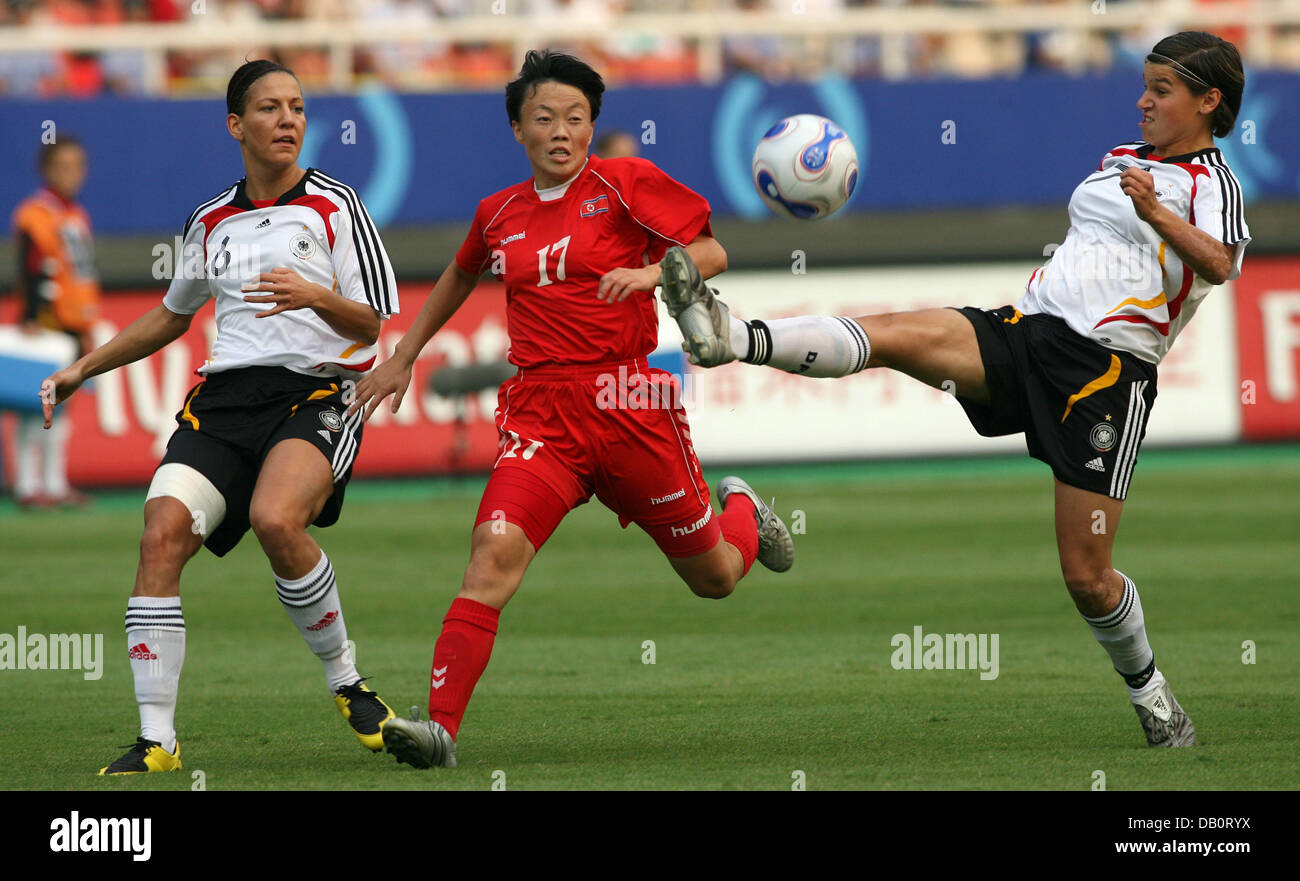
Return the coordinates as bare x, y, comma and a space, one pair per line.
185, 484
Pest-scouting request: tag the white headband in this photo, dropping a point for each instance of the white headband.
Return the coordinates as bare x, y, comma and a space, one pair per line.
1164, 59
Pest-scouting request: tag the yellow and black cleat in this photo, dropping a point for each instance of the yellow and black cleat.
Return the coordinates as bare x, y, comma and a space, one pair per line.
365, 712
145, 757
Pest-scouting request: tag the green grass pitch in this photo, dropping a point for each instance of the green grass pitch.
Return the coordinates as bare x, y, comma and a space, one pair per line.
789, 679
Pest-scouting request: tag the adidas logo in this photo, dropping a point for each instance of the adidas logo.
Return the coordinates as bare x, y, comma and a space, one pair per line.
141, 653
265, 222
326, 621
1096, 464
439, 677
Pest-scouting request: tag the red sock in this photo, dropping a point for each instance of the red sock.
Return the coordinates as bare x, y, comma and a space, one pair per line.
739, 528
459, 659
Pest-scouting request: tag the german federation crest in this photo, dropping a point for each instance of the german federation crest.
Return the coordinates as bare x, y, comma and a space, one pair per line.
303, 246
1102, 436
331, 420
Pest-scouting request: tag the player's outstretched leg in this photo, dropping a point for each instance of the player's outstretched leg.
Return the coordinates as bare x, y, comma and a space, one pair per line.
811, 345
775, 546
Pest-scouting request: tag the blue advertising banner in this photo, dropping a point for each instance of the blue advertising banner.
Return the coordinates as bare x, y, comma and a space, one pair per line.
425, 159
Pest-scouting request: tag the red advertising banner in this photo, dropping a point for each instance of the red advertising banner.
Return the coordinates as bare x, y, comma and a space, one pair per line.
122, 420
1268, 347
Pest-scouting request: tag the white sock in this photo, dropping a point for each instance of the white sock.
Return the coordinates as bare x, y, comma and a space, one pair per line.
155, 640
313, 605
1122, 633
27, 467
55, 450
810, 345
739, 337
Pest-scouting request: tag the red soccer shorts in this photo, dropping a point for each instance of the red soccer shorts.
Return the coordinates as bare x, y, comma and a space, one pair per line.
616, 430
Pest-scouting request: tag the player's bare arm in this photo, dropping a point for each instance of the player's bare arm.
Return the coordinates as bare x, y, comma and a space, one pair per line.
707, 252
393, 376
141, 338
1207, 256
288, 290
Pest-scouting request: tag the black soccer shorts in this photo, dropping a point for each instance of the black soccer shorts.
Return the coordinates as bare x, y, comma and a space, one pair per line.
1082, 407
233, 418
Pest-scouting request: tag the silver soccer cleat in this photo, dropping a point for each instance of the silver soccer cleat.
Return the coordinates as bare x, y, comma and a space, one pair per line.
419, 744
1163, 719
775, 547
704, 320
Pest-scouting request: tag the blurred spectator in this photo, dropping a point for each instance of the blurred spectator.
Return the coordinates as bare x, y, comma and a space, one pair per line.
27, 74
615, 143
60, 291
405, 63
763, 55
604, 32
126, 70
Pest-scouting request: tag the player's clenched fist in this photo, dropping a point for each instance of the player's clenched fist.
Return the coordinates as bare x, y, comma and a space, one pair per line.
1140, 186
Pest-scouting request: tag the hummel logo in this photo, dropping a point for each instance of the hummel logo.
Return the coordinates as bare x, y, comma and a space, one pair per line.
141, 653
265, 222
439, 677
1096, 464
326, 621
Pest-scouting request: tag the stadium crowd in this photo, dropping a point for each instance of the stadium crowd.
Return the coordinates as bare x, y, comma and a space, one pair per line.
628, 57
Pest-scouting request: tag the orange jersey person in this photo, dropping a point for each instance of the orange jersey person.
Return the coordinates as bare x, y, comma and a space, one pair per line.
56, 269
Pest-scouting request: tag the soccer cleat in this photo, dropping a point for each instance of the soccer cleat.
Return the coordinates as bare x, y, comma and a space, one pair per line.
144, 757
420, 744
365, 712
704, 320
775, 547
1163, 719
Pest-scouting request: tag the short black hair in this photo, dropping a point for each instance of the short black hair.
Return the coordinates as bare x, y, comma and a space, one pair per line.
242, 80
1212, 60
546, 65
46, 154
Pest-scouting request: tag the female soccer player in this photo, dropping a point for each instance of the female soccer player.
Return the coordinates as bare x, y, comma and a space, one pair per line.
1073, 364
301, 282
576, 245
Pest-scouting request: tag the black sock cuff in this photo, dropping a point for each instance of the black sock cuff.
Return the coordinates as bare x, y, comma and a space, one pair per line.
1137, 680
760, 343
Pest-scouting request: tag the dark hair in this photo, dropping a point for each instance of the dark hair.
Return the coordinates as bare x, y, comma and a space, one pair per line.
242, 80
46, 154
1204, 61
546, 65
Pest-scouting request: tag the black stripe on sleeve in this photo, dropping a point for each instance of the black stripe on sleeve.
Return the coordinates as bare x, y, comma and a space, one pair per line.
365, 238
1233, 227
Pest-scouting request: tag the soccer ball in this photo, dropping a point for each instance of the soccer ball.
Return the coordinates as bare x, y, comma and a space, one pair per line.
805, 167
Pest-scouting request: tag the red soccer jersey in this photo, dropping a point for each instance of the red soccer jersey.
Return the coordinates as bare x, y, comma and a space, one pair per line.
617, 213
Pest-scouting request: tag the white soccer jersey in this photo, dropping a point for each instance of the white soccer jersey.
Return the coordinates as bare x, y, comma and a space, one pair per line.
320, 230
1114, 280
